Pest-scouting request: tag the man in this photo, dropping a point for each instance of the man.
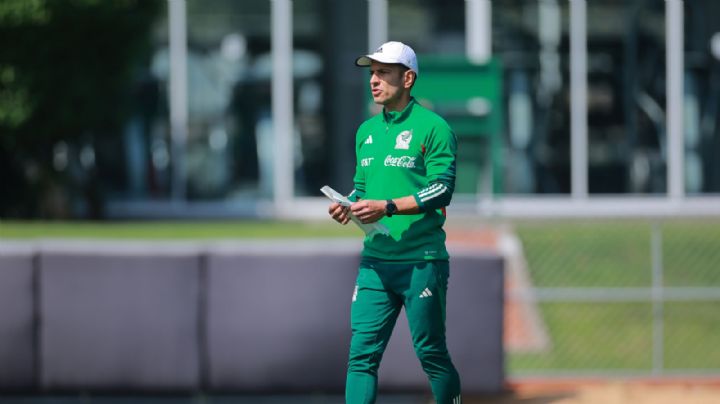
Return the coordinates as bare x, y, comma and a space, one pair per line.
405, 177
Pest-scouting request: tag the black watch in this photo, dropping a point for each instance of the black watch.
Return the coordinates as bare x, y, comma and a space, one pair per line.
390, 208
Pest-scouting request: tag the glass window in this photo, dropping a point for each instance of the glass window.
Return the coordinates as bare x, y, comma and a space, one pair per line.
626, 97
701, 104
531, 41
229, 100
229, 148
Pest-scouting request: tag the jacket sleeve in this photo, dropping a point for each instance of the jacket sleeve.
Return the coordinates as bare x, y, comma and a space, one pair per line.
440, 166
358, 191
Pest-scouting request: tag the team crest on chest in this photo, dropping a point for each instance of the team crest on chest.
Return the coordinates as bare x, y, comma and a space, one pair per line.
402, 141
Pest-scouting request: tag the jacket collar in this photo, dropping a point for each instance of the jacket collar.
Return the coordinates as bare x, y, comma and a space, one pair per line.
399, 116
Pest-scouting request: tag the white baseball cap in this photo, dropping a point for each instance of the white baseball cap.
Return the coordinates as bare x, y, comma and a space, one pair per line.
391, 52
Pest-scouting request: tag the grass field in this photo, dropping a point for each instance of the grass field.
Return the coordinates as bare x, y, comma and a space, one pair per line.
618, 337
617, 254
148, 230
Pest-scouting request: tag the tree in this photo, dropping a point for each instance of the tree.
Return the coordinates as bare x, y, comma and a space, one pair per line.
66, 72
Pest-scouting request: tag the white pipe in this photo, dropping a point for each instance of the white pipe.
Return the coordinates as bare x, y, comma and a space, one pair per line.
377, 23
282, 105
478, 30
674, 103
578, 100
178, 94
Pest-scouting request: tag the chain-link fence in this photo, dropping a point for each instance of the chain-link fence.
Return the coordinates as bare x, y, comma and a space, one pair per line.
605, 297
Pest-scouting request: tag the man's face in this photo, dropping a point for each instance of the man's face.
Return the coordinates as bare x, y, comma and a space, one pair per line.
388, 82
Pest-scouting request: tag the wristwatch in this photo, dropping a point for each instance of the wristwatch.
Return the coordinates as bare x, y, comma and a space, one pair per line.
390, 208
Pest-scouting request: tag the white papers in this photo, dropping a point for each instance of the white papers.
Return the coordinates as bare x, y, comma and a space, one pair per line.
369, 228
335, 196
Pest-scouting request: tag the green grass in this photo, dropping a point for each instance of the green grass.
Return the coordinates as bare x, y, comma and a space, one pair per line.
604, 336
692, 330
618, 336
177, 230
618, 253
691, 253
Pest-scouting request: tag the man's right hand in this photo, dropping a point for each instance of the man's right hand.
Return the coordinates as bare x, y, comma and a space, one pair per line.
340, 213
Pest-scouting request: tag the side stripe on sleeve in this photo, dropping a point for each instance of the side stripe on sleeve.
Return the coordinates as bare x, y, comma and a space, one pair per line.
432, 192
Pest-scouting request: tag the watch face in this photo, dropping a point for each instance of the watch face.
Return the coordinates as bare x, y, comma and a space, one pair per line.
390, 208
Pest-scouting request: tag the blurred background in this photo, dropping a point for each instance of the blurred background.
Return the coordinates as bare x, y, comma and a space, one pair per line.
91, 130
588, 132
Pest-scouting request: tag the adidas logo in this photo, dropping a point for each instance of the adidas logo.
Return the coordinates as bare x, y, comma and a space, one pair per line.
425, 293
368, 140
354, 296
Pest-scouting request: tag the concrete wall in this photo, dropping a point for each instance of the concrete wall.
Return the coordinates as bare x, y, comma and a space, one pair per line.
218, 317
114, 321
17, 319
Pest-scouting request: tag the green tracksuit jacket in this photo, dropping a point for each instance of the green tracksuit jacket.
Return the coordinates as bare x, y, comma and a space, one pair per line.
411, 152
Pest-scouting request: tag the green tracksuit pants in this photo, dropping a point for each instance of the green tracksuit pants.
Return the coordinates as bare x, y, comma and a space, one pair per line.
382, 289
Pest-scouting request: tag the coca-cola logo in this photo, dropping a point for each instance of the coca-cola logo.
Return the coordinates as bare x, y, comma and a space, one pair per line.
400, 161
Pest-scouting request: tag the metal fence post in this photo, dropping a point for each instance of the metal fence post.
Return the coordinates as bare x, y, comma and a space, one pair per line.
658, 337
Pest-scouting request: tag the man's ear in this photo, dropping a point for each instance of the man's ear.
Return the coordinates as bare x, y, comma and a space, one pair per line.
409, 78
